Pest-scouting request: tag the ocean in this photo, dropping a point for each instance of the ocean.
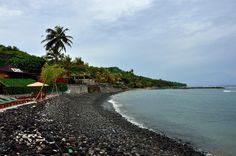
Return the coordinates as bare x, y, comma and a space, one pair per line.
206, 118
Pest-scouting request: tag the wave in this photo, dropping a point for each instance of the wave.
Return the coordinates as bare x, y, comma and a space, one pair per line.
228, 91
117, 107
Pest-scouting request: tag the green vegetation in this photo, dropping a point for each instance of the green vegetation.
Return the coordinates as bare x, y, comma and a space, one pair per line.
22, 60
57, 63
29, 63
112, 75
120, 78
50, 73
56, 39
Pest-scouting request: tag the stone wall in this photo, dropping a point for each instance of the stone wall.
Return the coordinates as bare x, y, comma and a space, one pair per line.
77, 89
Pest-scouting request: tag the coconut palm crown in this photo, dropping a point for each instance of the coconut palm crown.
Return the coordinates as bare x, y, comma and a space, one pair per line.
56, 39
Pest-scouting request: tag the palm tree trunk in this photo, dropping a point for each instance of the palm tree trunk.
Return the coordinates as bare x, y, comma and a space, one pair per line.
40, 92
56, 88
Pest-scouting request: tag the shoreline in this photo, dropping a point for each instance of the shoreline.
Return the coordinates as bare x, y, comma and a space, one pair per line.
79, 125
157, 131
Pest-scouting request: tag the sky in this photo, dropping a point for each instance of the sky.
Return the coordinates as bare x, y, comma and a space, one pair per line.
190, 41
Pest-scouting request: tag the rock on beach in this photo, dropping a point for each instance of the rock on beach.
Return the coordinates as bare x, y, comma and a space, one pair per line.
79, 125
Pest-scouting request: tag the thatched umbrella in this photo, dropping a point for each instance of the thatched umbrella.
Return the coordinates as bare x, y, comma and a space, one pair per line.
36, 84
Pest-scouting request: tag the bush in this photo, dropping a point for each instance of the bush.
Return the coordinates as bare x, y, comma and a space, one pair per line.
2, 62
71, 81
62, 87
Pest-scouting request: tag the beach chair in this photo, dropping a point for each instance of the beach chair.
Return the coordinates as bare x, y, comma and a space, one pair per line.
11, 100
3, 103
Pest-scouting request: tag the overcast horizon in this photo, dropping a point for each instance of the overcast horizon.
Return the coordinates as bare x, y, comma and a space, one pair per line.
189, 41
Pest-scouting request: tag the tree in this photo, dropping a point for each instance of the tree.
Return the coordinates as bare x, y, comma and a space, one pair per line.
78, 61
67, 64
28, 63
56, 41
53, 56
49, 74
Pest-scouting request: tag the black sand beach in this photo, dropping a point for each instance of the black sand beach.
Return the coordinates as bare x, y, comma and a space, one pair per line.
79, 125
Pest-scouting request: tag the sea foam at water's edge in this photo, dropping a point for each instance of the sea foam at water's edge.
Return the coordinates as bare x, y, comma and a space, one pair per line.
117, 106
229, 91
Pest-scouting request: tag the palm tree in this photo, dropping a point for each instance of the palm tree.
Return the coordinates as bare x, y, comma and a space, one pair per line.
67, 62
53, 56
78, 61
56, 41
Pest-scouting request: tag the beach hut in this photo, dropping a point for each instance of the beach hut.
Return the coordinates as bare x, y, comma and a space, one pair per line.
10, 71
13, 85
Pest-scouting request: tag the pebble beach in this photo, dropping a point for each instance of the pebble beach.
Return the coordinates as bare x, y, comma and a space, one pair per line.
79, 125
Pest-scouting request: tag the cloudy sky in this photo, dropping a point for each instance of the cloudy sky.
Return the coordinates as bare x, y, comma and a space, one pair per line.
191, 41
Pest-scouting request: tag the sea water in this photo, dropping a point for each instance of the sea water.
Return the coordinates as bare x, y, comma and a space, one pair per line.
206, 118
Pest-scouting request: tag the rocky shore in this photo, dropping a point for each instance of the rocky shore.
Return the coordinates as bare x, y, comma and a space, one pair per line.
79, 125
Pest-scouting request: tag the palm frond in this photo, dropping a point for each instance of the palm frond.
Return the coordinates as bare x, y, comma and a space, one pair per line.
56, 41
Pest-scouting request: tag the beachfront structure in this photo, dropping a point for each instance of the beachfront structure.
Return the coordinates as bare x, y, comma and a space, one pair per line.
10, 71
81, 79
8, 84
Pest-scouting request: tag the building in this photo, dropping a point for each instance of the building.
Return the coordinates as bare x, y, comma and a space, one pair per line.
81, 79
9, 71
14, 85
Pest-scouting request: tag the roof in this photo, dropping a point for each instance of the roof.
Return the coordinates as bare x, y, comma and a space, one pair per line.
83, 76
12, 69
16, 82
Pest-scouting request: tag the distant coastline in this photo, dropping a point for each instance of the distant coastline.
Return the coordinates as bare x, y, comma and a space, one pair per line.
204, 87
216, 87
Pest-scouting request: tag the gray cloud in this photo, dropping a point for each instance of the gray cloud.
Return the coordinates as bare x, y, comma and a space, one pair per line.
190, 41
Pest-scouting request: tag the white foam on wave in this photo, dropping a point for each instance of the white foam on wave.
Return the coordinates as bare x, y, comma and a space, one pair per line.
228, 91
131, 119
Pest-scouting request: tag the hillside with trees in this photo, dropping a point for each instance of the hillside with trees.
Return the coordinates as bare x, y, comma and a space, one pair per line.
55, 45
12, 55
111, 75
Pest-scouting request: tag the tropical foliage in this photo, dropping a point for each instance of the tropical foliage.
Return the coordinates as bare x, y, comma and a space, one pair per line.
120, 78
29, 63
58, 63
56, 41
50, 73
22, 60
